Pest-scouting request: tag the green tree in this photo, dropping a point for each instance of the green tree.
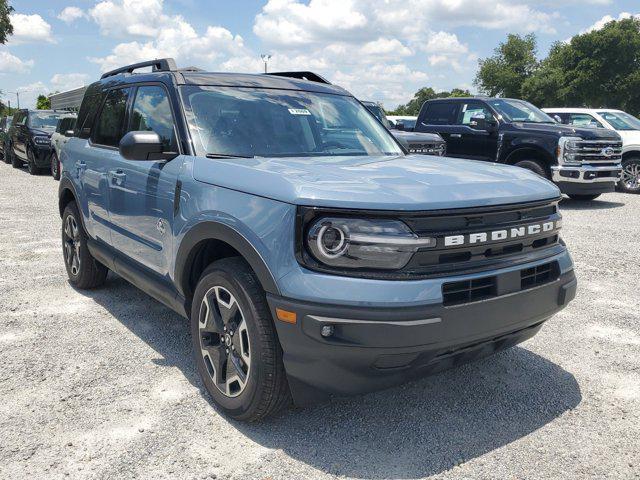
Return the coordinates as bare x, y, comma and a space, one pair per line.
595, 69
513, 61
424, 94
6, 29
43, 103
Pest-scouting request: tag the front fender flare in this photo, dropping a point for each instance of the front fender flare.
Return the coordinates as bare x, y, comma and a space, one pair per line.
218, 231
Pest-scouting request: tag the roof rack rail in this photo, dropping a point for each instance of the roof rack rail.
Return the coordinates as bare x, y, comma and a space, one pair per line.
158, 65
310, 76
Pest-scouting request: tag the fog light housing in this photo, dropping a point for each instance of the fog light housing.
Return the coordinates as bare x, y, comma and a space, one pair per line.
327, 331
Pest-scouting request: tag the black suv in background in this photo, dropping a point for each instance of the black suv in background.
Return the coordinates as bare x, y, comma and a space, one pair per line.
583, 162
424, 143
30, 139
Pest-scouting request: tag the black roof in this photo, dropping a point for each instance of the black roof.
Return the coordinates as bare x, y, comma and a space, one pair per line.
165, 70
466, 99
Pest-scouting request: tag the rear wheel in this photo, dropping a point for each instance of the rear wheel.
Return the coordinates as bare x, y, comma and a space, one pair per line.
84, 271
55, 166
584, 198
535, 166
235, 345
630, 181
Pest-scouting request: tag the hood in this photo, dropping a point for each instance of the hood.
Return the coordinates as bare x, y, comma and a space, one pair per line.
416, 137
47, 131
567, 131
411, 182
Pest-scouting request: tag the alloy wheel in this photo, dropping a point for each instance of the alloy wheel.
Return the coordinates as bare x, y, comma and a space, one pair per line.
72, 245
631, 176
224, 341
55, 165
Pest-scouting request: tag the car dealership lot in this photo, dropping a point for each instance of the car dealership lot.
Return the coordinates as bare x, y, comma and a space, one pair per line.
102, 384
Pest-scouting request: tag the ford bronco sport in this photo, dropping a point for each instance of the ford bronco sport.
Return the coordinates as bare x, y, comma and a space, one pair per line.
583, 162
310, 253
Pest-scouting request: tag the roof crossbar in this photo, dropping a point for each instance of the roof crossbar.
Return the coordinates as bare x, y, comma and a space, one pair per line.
310, 76
158, 65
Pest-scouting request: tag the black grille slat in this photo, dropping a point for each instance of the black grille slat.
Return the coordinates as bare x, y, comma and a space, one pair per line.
539, 275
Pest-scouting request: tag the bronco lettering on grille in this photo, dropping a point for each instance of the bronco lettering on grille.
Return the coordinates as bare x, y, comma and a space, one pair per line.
503, 234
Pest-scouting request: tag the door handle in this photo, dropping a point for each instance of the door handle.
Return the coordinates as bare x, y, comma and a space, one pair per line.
80, 168
118, 177
456, 135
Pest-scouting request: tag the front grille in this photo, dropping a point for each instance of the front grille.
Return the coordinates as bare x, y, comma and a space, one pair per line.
599, 151
534, 276
428, 148
477, 289
468, 291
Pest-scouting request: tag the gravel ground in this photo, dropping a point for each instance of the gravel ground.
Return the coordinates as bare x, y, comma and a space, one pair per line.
101, 384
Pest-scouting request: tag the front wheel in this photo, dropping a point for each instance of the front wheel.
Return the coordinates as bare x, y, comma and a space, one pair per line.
235, 345
535, 166
630, 181
583, 198
55, 166
15, 161
31, 163
84, 271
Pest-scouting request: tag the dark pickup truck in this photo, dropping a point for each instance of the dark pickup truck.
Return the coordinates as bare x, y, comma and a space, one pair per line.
424, 143
583, 162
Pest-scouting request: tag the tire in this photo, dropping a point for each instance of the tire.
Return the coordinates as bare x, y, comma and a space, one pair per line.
55, 166
86, 272
240, 323
15, 161
535, 166
31, 163
630, 181
584, 198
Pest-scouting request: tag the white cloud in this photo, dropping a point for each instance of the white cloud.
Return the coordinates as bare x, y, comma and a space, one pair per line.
29, 28
443, 42
129, 17
71, 14
29, 94
68, 81
608, 18
11, 64
384, 47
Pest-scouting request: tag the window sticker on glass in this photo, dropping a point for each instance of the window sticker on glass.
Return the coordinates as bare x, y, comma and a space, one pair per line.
299, 111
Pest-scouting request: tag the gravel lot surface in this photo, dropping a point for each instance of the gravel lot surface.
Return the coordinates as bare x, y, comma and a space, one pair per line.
101, 384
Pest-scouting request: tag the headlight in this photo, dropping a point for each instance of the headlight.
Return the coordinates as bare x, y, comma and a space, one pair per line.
360, 243
40, 140
567, 151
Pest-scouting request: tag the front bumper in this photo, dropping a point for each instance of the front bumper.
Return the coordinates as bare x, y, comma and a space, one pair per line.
586, 179
371, 348
42, 155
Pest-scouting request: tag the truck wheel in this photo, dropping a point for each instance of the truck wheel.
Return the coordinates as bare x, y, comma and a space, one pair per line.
84, 271
236, 348
31, 163
15, 161
584, 198
630, 181
6, 155
535, 166
55, 166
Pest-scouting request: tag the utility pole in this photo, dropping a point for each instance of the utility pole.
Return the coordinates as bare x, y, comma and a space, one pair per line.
265, 58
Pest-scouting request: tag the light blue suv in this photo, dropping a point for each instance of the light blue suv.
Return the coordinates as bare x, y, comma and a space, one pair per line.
311, 254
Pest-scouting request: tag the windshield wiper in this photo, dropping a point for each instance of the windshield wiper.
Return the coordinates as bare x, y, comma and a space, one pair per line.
226, 155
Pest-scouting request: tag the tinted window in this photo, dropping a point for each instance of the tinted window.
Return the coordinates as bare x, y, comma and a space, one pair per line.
20, 118
473, 110
66, 124
621, 120
440, 113
519, 111
87, 114
110, 125
582, 120
46, 120
152, 112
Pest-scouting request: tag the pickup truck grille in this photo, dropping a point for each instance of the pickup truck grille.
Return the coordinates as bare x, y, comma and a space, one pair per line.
599, 151
480, 239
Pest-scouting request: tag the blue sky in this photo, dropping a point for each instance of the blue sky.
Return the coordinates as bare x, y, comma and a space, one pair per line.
382, 50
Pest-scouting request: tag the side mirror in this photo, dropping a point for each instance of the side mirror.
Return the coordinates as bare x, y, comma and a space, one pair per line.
557, 118
399, 126
68, 133
144, 146
478, 123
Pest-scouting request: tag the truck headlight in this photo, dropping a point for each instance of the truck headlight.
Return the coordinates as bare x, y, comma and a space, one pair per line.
41, 140
567, 151
361, 243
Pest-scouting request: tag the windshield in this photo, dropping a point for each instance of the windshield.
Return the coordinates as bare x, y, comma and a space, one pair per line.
621, 120
43, 120
278, 123
520, 111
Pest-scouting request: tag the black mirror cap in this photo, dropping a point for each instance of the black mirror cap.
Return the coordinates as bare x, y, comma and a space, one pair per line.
144, 145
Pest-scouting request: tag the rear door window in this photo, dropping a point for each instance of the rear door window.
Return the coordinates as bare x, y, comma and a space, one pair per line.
109, 126
442, 113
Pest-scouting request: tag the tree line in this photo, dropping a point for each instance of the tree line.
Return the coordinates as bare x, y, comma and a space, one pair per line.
595, 69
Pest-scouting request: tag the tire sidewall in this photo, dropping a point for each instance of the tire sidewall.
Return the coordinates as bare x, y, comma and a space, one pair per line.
621, 185
31, 162
55, 166
533, 166
242, 404
85, 255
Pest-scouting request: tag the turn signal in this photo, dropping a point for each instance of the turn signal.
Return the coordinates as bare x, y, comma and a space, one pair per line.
285, 316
